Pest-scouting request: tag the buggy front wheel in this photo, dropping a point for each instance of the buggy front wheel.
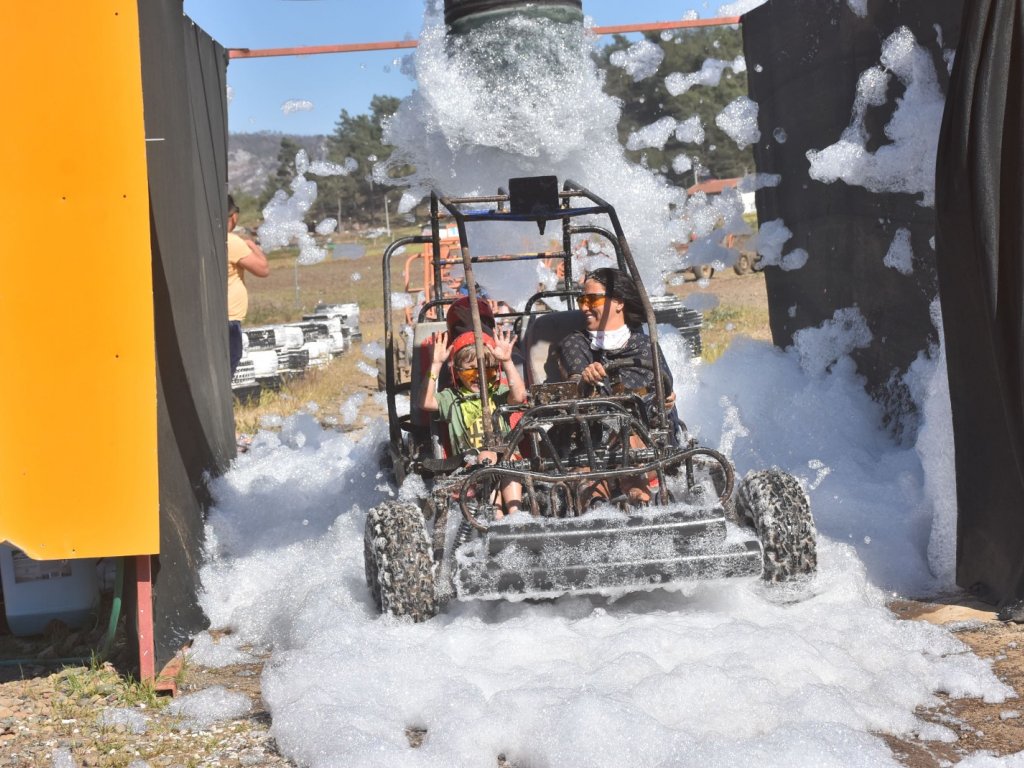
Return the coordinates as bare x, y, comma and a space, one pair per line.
773, 502
399, 562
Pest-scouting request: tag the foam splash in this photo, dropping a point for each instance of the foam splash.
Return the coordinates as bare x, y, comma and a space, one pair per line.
907, 163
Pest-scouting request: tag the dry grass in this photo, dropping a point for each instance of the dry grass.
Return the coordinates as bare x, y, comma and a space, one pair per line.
727, 321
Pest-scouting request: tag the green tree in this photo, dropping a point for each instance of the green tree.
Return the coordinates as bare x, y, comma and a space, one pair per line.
649, 100
285, 172
357, 141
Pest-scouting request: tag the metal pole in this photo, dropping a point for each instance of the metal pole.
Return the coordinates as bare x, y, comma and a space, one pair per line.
310, 50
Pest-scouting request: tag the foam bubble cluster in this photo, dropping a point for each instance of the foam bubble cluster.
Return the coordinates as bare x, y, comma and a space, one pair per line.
710, 75
900, 255
907, 162
640, 61
296, 105
739, 121
691, 131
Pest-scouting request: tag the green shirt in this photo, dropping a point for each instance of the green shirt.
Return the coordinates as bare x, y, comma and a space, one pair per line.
463, 413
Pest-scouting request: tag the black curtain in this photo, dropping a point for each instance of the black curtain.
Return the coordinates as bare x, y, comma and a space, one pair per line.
183, 77
804, 58
980, 255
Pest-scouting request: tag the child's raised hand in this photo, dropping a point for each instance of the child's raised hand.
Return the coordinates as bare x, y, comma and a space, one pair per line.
503, 343
442, 350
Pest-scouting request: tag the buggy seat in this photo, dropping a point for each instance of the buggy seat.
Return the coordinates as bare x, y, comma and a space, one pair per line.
540, 344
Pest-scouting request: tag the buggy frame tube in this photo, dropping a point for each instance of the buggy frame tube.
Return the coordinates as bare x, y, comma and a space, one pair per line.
394, 431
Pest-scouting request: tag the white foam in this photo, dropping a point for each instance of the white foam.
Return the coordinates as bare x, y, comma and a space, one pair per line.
216, 653
907, 162
721, 673
739, 121
654, 135
296, 105
682, 163
709, 75
640, 60
211, 705
900, 255
769, 241
326, 226
691, 131
859, 7
131, 719
739, 7
819, 348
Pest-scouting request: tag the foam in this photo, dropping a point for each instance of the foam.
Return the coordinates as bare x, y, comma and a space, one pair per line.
296, 105
691, 131
907, 163
211, 705
654, 135
739, 121
640, 60
900, 255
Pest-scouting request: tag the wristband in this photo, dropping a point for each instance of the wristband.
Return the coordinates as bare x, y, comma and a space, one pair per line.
432, 375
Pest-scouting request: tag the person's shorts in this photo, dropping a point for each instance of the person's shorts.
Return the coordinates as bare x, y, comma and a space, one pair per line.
234, 343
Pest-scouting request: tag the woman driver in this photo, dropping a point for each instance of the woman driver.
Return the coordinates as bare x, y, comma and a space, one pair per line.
614, 318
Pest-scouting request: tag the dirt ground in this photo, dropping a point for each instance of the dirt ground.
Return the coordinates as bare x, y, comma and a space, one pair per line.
47, 718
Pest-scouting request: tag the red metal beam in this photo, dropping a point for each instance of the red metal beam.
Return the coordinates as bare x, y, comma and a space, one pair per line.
311, 50
144, 618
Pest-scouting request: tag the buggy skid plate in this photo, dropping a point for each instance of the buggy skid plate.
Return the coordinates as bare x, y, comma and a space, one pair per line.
597, 553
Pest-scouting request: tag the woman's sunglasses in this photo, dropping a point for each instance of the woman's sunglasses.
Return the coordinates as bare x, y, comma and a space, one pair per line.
591, 300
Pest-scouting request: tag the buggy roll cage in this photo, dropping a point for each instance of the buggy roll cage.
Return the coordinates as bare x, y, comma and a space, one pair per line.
535, 199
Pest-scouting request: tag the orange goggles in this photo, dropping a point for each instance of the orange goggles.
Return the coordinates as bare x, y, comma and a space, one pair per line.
470, 375
592, 300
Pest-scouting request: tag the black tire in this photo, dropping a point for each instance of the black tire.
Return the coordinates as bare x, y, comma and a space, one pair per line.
702, 272
744, 264
776, 506
399, 564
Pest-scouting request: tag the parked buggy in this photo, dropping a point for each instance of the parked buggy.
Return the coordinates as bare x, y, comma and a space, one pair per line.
448, 543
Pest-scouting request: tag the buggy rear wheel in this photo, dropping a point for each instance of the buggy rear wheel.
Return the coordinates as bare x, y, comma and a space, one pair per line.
774, 503
398, 561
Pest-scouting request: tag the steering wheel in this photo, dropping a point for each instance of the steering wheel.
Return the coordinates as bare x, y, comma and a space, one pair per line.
616, 366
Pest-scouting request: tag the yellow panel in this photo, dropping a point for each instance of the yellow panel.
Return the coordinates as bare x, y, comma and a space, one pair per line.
78, 450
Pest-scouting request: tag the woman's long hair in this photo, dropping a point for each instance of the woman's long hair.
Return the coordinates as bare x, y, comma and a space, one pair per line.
619, 285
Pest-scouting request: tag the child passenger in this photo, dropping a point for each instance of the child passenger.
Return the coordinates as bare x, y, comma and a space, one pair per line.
460, 406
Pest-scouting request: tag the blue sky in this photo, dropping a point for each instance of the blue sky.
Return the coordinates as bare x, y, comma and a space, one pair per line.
333, 82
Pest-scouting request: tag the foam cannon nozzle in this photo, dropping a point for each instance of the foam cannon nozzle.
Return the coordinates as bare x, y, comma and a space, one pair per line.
462, 16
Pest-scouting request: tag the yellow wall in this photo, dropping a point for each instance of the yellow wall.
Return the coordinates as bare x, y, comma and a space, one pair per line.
78, 457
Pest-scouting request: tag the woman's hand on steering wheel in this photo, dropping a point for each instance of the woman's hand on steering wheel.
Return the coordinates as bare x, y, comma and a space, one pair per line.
594, 374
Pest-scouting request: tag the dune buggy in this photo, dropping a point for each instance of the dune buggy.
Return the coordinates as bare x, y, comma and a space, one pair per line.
446, 544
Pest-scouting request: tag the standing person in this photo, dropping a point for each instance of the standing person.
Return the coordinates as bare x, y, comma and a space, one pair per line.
243, 256
460, 405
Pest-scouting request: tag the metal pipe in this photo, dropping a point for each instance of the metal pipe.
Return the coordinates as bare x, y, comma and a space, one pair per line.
313, 50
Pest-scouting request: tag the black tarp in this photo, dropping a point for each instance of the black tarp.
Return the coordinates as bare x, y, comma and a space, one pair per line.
980, 255
803, 63
184, 95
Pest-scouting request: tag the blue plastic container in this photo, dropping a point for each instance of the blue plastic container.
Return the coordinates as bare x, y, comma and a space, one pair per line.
38, 591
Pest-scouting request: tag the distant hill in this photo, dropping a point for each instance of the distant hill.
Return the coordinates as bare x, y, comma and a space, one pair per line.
252, 157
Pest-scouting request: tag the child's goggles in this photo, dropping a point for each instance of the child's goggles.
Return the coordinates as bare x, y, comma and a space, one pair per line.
470, 375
